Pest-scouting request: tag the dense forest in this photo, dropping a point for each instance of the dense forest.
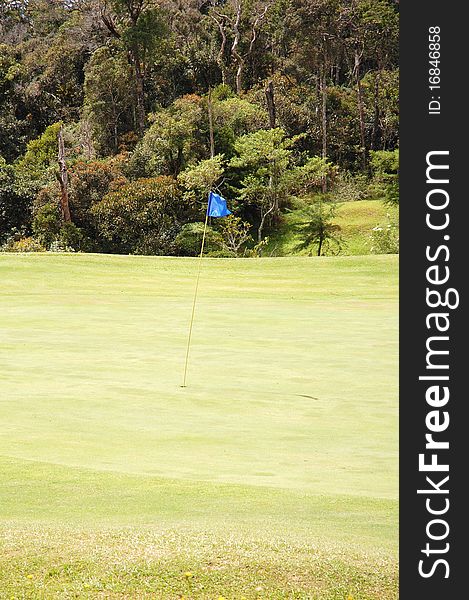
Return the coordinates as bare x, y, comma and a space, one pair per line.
117, 117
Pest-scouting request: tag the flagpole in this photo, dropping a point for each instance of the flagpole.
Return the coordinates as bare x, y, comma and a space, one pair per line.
195, 300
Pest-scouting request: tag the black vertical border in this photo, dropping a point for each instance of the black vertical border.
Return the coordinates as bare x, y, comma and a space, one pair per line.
421, 133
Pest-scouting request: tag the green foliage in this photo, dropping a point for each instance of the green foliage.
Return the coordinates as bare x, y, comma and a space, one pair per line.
146, 33
14, 202
108, 104
385, 166
140, 217
27, 244
46, 223
288, 82
233, 117
175, 139
43, 150
222, 92
54, 235
12, 128
234, 233
318, 228
90, 181
263, 158
384, 238
70, 239
311, 176
189, 240
199, 180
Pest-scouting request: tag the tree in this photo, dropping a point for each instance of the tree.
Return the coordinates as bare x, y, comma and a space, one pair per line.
90, 181
199, 180
234, 117
370, 32
62, 176
318, 227
140, 217
108, 98
264, 158
268, 101
140, 28
385, 167
38, 167
177, 138
13, 128
234, 232
15, 203
240, 22
317, 52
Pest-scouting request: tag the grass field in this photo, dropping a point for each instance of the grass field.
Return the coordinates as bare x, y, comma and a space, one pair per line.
355, 220
272, 475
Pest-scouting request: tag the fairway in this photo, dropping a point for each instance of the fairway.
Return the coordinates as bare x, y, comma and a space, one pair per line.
273, 474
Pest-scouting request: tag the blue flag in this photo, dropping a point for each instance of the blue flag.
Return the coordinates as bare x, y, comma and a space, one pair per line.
217, 206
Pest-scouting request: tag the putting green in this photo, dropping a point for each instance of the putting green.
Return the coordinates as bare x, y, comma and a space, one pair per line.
288, 425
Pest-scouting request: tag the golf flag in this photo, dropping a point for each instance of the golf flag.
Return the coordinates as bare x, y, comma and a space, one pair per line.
217, 206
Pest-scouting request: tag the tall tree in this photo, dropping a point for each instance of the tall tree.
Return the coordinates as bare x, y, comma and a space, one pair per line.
239, 22
140, 27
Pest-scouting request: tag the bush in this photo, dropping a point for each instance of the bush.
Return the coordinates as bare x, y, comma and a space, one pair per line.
140, 217
15, 210
27, 244
46, 224
385, 238
56, 236
58, 246
221, 254
350, 188
71, 238
385, 167
189, 240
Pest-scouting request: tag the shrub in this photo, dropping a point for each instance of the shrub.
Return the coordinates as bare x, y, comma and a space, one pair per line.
72, 238
46, 224
27, 244
140, 217
235, 233
350, 188
385, 238
385, 167
58, 246
189, 240
15, 210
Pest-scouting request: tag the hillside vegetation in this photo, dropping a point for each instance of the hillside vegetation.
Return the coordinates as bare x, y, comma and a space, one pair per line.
119, 116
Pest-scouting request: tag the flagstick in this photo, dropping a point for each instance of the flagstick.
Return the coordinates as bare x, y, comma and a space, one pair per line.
195, 300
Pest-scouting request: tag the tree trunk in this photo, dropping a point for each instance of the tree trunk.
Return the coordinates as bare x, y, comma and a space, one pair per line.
361, 112
239, 76
269, 96
221, 53
63, 179
139, 91
262, 223
234, 49
321, 240
210, 124
323, 89
374, 133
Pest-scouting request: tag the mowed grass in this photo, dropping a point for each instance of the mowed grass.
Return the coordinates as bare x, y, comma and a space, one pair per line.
273, 474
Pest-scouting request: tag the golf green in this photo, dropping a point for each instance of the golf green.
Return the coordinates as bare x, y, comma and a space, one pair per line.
287, 429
